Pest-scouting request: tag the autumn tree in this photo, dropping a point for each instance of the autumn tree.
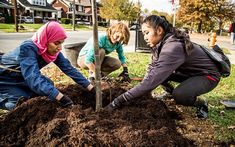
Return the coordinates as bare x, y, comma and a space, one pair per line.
205, 13
119, 10
195, 11
223, 11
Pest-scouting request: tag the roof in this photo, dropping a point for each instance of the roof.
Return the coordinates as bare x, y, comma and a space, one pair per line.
5, 4
47, 8
86, 2
82, 2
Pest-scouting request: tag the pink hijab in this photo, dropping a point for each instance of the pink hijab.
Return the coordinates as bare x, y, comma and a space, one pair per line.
50, 32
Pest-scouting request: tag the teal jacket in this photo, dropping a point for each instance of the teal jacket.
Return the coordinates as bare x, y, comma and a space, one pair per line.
104, 43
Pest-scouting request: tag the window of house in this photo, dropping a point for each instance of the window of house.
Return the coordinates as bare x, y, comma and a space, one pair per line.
80, 8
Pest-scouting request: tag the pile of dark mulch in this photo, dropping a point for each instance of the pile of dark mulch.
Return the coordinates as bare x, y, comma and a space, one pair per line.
40, 122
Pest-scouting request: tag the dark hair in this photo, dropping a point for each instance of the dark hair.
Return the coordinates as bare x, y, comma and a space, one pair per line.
155, 21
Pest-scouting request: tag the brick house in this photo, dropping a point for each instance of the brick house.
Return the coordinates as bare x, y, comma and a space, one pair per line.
83, 10
37, 9
6, 12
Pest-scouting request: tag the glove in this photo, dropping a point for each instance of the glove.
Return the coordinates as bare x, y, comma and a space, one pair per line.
116, 103
125, 75
65, 101
90, 94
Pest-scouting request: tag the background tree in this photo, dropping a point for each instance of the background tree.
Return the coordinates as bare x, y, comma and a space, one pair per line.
119, 10
196, 12
206, 14
223, 11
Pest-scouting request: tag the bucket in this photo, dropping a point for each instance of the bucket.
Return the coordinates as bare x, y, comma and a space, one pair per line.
72, 52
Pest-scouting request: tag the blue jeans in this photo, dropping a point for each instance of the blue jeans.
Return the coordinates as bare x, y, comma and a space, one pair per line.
12, 89
10, 94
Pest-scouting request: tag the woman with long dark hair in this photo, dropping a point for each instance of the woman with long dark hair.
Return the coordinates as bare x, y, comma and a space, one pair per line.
174, 58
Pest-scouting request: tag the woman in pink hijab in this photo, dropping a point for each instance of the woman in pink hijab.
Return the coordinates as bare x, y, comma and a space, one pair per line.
20, 75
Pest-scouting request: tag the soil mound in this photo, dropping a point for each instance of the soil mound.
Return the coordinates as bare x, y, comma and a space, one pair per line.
40, 122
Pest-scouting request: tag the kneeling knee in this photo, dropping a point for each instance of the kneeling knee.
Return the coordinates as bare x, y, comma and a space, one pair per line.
182, 99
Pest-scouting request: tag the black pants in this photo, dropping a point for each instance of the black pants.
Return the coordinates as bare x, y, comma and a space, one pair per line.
190, 87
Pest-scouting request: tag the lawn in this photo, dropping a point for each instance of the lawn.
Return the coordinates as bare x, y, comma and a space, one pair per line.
10, 28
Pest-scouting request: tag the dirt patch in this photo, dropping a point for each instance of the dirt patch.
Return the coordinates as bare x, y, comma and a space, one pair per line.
146, 122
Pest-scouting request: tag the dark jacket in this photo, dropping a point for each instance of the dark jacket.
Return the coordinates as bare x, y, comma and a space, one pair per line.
25, 58
173, 58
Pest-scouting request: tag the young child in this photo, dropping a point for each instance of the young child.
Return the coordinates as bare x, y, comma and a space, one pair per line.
115, 36
20, 75
174, 58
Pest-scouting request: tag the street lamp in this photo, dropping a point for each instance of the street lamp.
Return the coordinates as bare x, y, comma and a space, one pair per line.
175, 6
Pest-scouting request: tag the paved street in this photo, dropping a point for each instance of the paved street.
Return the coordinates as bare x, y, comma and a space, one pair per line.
9, 41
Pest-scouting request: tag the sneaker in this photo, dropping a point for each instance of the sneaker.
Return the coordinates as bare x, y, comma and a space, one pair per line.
21, 101
167, 87
164, 96
91, 79
202, 111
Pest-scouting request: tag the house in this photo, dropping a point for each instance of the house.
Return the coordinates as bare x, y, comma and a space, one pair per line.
6, 12
37, 9
83, 10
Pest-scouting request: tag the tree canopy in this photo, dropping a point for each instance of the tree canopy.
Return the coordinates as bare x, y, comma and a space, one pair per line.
206, 13
119, 10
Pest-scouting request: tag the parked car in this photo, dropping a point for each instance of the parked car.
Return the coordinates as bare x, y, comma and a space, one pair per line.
46, 19
134, 27
83, 22
28, 19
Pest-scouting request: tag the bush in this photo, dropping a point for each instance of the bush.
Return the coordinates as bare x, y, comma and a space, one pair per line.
65, 20
9, 19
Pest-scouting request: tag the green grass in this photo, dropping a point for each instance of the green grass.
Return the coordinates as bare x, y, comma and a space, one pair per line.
219, 115
10, 28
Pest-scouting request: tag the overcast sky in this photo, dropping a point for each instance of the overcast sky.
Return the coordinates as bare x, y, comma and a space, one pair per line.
159, 5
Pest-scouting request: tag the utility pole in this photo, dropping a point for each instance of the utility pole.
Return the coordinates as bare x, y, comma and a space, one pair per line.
73, 14
97, 57
175, 6
15, 15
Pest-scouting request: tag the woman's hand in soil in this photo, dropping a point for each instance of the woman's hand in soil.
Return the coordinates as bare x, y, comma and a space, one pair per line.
65, 101
116, 103
90, 94
125, 75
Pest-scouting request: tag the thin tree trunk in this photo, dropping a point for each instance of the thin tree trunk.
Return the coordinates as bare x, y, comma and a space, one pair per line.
97, 57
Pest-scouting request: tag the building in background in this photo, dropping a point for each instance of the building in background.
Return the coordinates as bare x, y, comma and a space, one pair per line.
83, 10
6, 12
35, 10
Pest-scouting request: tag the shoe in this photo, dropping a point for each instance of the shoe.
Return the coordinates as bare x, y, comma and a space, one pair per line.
202, 111
91, 79
167, 87
164, 96
21, 101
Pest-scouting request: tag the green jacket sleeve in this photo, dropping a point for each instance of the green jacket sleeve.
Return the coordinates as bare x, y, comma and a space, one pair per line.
121, 56
90, 54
